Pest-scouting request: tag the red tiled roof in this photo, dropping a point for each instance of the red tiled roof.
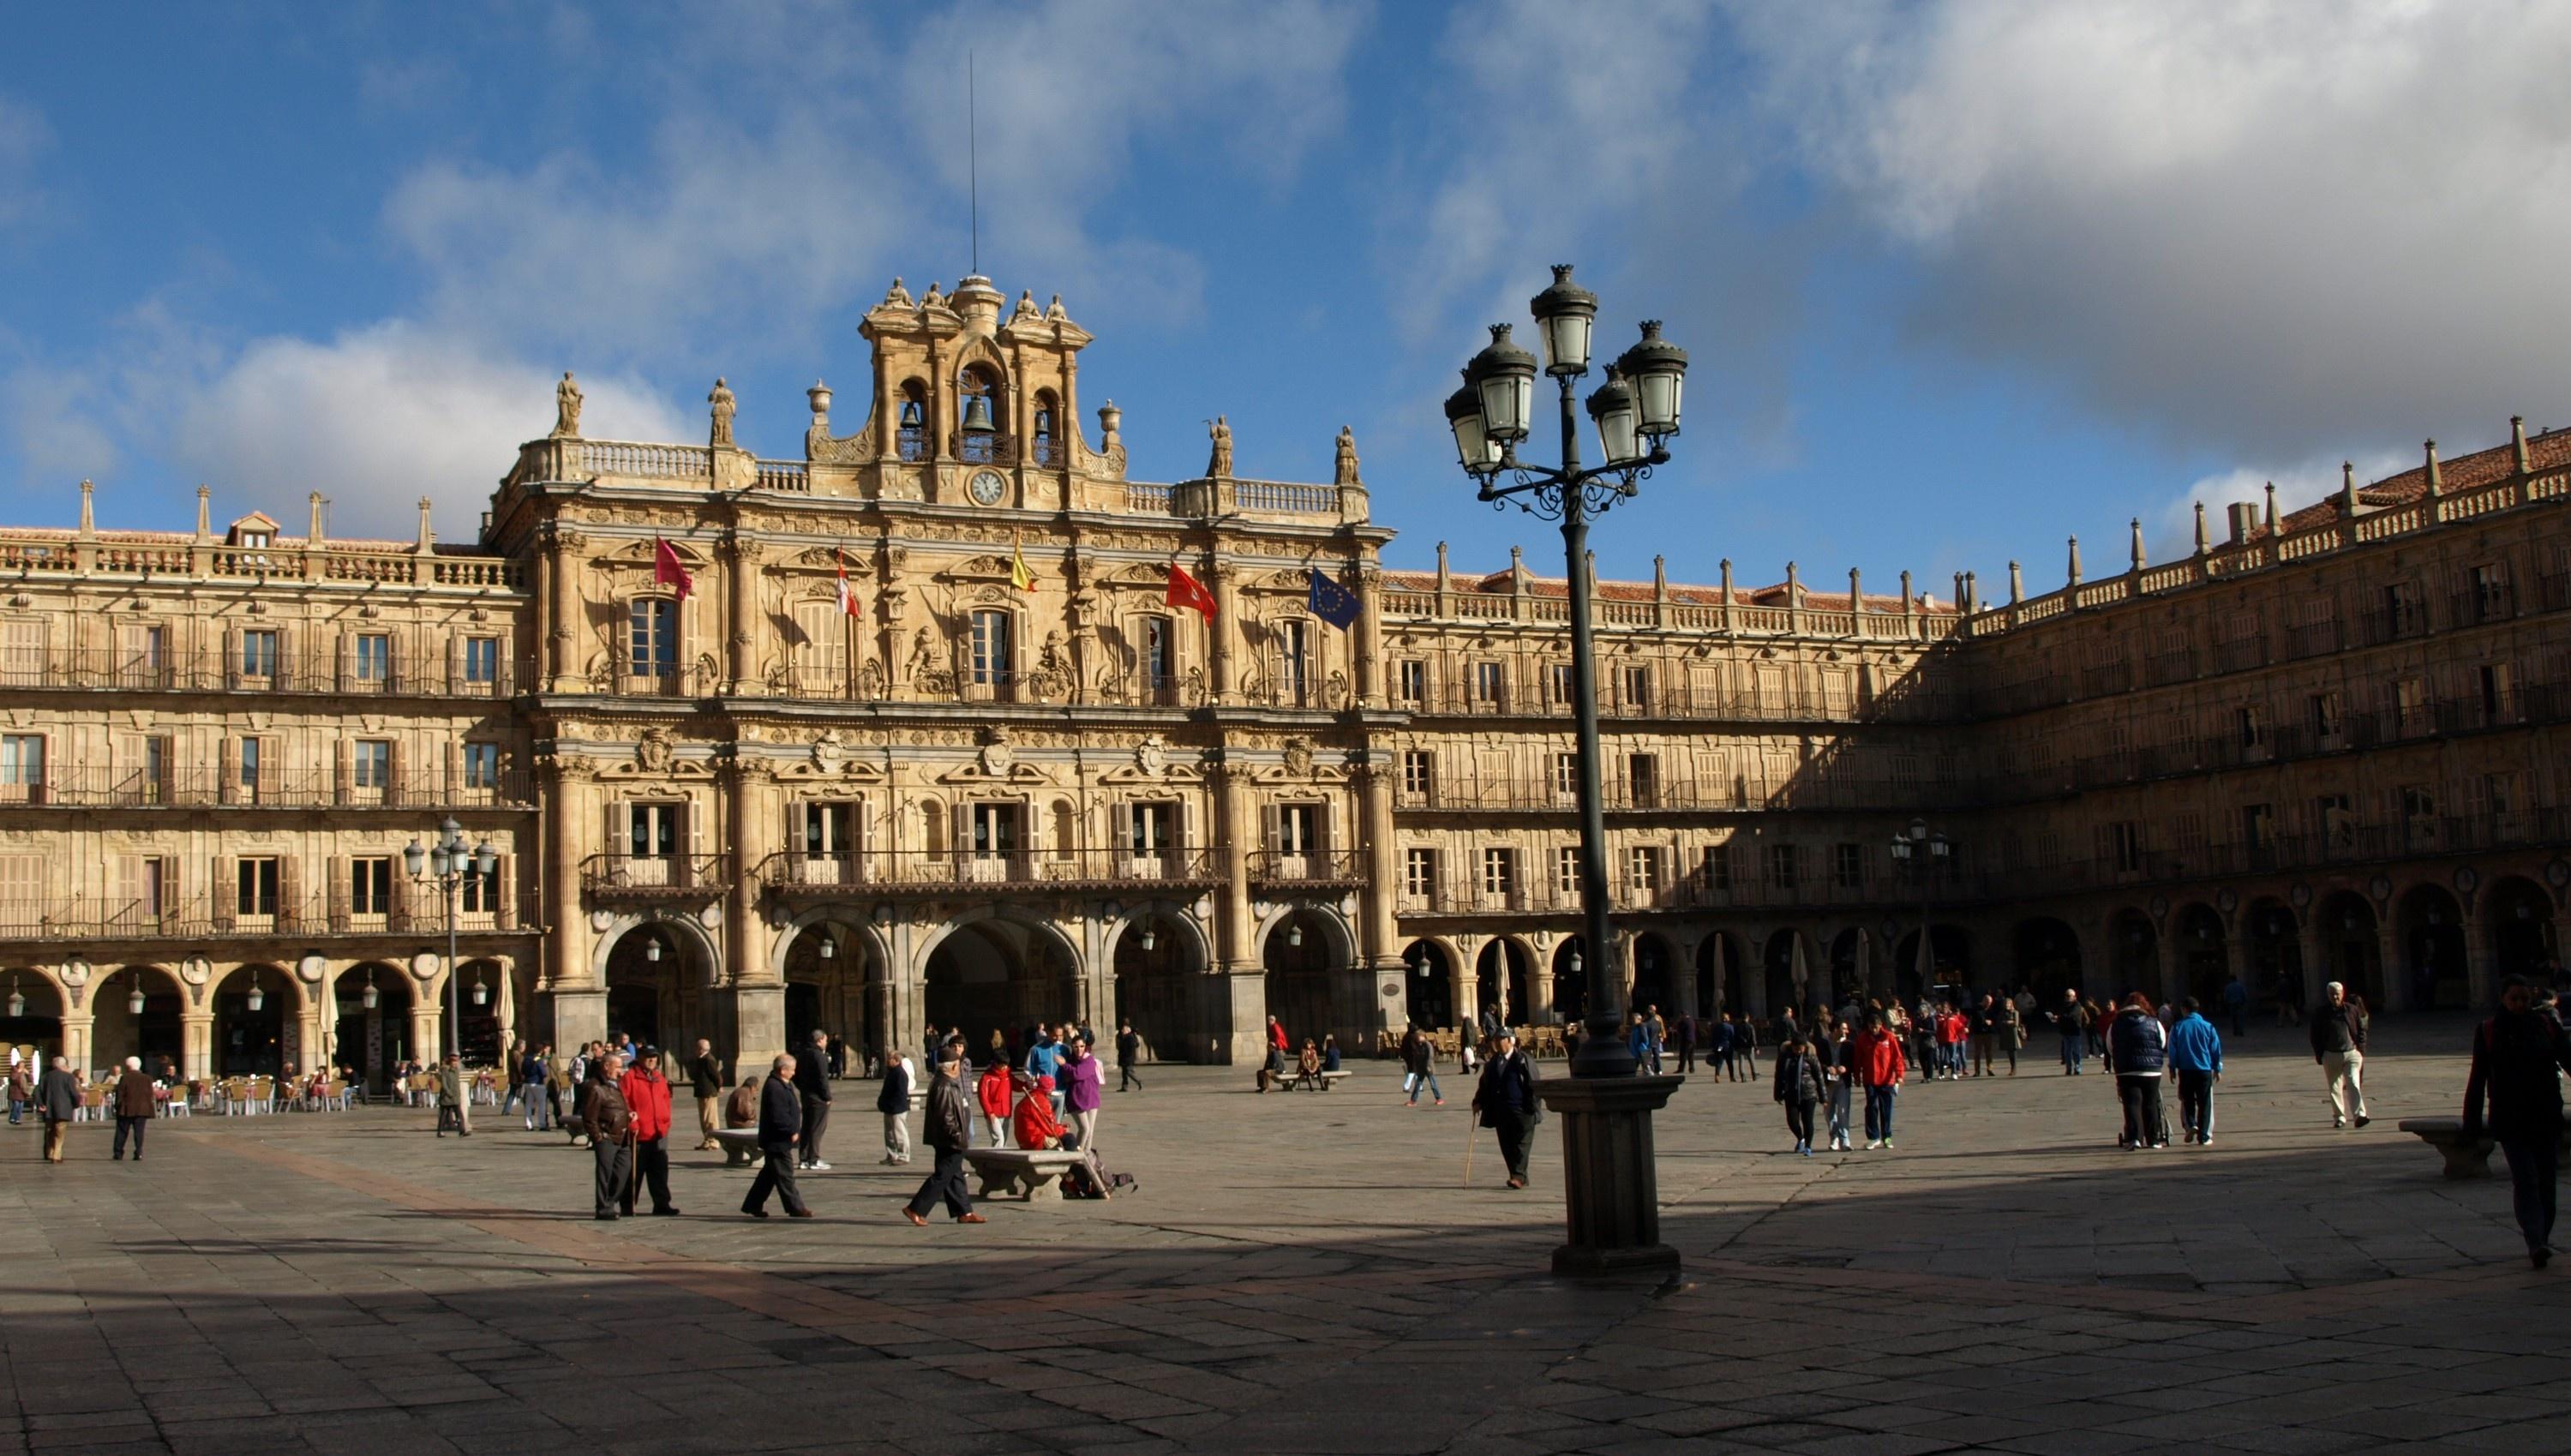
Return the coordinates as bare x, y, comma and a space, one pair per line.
2548, 451
1497, 584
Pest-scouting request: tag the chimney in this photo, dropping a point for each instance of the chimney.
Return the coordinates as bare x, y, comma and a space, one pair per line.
1727, 593
1959, 591
2075, 562
2517, 437
2437, 478
88, 519
2242, 517
2347, 488
2017, 584
1856, 593
1660, 579
2138, 543
204, 514
1445, 579
2202, 544
1972, 591
2271, 508
1905, 594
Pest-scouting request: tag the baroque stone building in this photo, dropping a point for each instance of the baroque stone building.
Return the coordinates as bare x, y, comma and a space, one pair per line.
906, 731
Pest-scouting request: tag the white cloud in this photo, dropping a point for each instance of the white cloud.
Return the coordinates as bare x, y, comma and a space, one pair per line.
24, 136
2272, 228
379, 417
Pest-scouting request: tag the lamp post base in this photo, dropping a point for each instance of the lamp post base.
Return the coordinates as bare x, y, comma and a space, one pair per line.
1611, 1183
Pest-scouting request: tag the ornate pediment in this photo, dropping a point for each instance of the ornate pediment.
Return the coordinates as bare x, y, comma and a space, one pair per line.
829, 559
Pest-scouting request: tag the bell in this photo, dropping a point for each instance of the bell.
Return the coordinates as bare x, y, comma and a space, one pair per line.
977, 415
910, 415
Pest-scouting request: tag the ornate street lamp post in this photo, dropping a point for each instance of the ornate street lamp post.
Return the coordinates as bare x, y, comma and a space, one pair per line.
1611, 1185
1922, 852
445, 866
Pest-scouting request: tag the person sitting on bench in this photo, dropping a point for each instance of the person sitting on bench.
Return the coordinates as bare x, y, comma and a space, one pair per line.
1035, 1126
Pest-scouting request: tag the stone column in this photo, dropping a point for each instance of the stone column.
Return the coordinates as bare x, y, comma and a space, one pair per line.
1610, 1175
2481, 978
751, 817
563, 607
571, 1008
425, 1042
1469, 992
2396, 971
78, 1039
1372, 691
1240, 1031
196, 1043
1539, 1007
745, 555
1683, 987
2316, 971
2173, 970
1224, 635
1382, 931
1234, 925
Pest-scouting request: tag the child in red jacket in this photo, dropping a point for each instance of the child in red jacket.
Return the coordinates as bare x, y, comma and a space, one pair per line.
994, 1091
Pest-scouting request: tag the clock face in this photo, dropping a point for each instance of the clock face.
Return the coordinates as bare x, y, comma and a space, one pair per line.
986, 487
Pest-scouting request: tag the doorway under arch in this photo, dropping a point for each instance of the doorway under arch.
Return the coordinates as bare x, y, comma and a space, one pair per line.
1719, 976
1655, 962
1305, 956
2521, 930
2272, 941
2048, 959
2133, 947
996, 974
252, 1041
1160, 970
1570, 980
1950, 952
155, 1034
1787, 953
37, 1022
2205, 967
2352, 949
1503, 976
830, 976
370, 1040
1428, 986
2431, 925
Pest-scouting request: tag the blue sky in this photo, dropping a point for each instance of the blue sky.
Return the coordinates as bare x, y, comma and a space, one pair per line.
1960, 279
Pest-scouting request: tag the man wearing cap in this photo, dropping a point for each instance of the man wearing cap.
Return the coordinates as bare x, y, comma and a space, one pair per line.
1507, 1102
647, 1096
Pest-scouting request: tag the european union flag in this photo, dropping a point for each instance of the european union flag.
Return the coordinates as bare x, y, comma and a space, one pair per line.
1332, 602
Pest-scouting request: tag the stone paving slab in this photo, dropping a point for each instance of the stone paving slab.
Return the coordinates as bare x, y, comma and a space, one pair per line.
1300, 1275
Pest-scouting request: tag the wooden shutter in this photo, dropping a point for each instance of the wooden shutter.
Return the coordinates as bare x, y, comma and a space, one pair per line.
398, 790
503, 890
289, 898
343, 770
224, 897
339, 892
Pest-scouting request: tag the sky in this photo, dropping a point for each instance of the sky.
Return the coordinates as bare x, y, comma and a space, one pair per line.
1958, 280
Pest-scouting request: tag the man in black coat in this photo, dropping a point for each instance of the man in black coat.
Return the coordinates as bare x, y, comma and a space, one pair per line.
2518, 1057
813, 1080
1129, 1050
949, 1133
781, 1122
58, 1095
1507, 1101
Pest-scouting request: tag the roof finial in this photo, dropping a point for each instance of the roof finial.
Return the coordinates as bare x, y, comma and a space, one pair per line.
2138, 543
2272, 507
973, 157
2347, 487
2075, 561
2437, 478
2204, 543
2017, 584
2517, 437
88, 519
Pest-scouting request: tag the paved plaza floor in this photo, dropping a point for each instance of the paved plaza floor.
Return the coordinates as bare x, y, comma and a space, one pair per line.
1307, 1273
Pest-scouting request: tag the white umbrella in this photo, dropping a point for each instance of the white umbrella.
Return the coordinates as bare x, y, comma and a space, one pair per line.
1800, 973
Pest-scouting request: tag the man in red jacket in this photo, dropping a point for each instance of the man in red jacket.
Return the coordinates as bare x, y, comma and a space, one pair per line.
647, 1092
1875, 1060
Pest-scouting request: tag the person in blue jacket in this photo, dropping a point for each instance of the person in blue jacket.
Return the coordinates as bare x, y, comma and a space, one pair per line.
2196, 1055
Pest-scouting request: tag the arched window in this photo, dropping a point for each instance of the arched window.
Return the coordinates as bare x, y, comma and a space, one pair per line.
910, 435
978, 383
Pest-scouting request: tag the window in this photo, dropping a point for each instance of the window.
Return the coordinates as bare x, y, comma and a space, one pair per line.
1154, 829
257, 540
1717, 866
1499, 873
1566, 871
652, 636
2411, 703
654, 831
1566, 775
144, 654
140, 881
370, 885
2496, 706
1562, 686
1292, 657
2125, 845
2401, 609
482, 660
1642, 868
371, 764
1638, 688
481, 765
1490, 683
1848, 866
2337, 818
1642, 779
480, 894
1412, 675
22, 763
1298, 828
2252, 725
250, 763
1782, 866
2499, 790
2326, 715
994, 657
2257, 826
256, 886
1416, 773
1158, 664
995, 830
1419, 872
374, 662
830, 828
2419, 801
156, 769
259, 653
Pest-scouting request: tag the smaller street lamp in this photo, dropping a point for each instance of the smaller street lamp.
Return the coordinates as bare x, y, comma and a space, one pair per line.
17, 998
1922, 852
133, 1003
446, 866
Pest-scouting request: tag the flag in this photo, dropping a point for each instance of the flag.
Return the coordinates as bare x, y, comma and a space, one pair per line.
847, 597
1187, 591
1332, 602
1019, 576
667, 569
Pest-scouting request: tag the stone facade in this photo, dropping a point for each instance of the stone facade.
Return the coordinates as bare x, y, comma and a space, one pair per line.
906, 731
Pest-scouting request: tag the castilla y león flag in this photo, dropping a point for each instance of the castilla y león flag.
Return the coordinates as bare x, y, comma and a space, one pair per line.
667, 569
1187, 591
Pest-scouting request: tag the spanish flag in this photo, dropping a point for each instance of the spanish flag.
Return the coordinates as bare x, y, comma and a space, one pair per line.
1019, 574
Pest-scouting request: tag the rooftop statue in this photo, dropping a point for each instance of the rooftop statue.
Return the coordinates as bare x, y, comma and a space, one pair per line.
1343, 470
722, 401
1219, 465
567, 407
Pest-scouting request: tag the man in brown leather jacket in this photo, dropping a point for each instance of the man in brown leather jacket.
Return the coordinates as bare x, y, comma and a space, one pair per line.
611, 1135
136, 1107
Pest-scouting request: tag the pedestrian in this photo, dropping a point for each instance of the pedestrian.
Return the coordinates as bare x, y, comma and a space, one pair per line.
1507, 1102
2236, 1005
1044, 1055
1744, 1049
1686, 1042
451, 1111
1129, 1052
22, 1085
836, 1049
135, 1106
893, 1101
1655, 1036
609, 1120
1952, 1029
534, 1074
1419, 1068
2138, 1053
1800, 1083
950, 1131
58, 1099
780, 1126
2196, 1055
1842, 1084
1875, 1057
2338, 1045
1277, 1045
2518, 1057
2013, 1030
996, 1093
1084, 1082
1330, 1051
2289, 995
705, 1083
812, 1082
1718, 1047
1987, 1033
2072, 1023
647, 1100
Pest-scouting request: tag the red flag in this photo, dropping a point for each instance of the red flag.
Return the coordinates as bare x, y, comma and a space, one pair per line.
1187, 591
847, 598
667, 569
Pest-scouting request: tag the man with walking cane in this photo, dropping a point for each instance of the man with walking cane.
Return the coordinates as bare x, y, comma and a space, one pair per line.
610, 1138
1507, 1105
647, 1097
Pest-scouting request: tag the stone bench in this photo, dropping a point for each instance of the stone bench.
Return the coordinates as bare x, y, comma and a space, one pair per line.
2465, 1158
1289, 1079
740, 1147
1023, 1173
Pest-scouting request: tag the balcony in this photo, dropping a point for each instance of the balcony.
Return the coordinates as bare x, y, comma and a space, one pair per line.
656, 876
193, 788
407, 673
899, 871
303, 918
1312, 869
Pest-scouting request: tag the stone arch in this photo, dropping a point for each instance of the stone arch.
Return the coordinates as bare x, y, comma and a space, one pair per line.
1785, 949
2519, 929
1721, 980
996, 969
159, 1033
2199, 953
1850, 951
1163, 988
262, 1042
1654, 968
1428, 978
2047, 957
2134, 955
1571, 966
2431, 928
1307, 952
831, 970
658, 974
368, 1041
38, 1023
2352, 945
1504, 978
1950, 960
2272, 952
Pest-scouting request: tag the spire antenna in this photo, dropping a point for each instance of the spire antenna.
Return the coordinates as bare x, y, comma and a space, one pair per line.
973, 159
